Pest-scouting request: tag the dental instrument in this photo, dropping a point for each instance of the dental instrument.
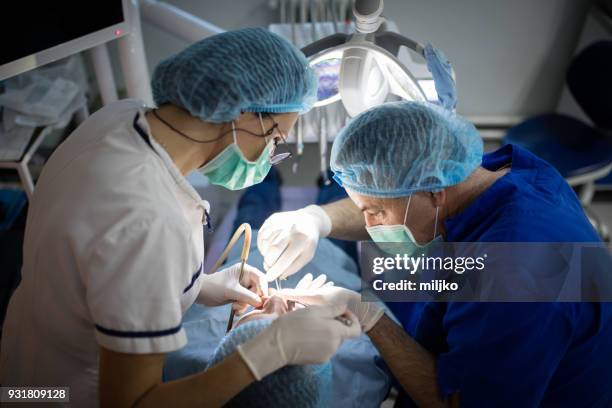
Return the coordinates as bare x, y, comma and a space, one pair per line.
245, 229
246, 246
345, 320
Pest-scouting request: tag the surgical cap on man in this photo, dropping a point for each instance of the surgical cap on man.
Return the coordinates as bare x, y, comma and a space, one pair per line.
399, 148
248, 70
307, 386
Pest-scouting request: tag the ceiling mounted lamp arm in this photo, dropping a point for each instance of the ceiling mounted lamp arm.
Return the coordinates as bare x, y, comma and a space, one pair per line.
176, 21
391, 42
324, 43
368, 15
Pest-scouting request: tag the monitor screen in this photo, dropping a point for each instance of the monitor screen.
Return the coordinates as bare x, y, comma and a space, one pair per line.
42, 25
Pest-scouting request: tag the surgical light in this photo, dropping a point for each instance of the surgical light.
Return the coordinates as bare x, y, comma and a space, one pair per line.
362, 69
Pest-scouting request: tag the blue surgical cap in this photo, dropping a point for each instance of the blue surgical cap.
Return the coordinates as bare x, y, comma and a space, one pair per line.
307, 386
399, 148
248, 70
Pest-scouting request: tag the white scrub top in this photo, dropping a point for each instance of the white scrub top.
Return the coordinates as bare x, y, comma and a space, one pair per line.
113, 255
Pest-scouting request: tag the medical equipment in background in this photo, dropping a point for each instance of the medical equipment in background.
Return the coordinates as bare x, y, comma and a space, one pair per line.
361, 63
65, 34
36, 106
37, 102
581, 153
362, 69
596, 27
301, 22
34, 103
115, 20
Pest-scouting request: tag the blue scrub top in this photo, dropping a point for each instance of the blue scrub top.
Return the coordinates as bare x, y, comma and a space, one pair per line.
519, 354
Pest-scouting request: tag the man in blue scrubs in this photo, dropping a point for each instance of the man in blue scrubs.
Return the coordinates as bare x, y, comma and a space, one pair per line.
417, 174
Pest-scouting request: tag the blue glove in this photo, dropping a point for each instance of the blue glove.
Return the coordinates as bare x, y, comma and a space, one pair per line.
441, 70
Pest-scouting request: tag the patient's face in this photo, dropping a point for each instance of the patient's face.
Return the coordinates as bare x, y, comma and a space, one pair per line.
273, 307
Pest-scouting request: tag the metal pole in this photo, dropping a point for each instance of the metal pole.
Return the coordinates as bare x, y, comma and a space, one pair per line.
178, 22
133, 59
104, 74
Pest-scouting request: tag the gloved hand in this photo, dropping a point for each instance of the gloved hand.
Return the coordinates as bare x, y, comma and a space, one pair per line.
306, 336
305, 284
288, 240
368, 313
223, 287
443, 76
309, 283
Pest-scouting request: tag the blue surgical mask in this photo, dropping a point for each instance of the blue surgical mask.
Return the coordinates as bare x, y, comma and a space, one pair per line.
233, 171
401, 234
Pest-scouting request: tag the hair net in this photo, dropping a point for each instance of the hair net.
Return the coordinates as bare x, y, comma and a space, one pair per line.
300, 386
248, 70
400, 148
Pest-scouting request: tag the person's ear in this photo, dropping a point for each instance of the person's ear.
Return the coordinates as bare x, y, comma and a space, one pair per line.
439, 198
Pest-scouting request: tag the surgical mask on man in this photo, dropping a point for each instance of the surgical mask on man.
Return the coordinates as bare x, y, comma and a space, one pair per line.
401, 234
233, 171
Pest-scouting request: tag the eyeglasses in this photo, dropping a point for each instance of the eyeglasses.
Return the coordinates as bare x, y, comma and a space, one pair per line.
276, 158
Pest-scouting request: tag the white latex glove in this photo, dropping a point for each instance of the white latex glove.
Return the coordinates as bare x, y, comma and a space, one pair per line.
223, 287
288, 240
309, 283
306, 336
368, 313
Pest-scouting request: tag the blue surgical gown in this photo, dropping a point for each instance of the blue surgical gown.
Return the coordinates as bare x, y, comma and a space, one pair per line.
519, 354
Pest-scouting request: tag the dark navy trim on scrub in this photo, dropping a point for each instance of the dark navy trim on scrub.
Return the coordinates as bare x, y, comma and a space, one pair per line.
141, 132
133, 334
194, 278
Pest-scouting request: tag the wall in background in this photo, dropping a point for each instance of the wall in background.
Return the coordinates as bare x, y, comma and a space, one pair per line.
510, 56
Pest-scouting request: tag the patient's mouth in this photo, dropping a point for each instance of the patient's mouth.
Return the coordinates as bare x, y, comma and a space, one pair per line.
273, 307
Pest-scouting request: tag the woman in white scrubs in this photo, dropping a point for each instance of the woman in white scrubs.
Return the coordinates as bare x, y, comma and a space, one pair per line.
113, 250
